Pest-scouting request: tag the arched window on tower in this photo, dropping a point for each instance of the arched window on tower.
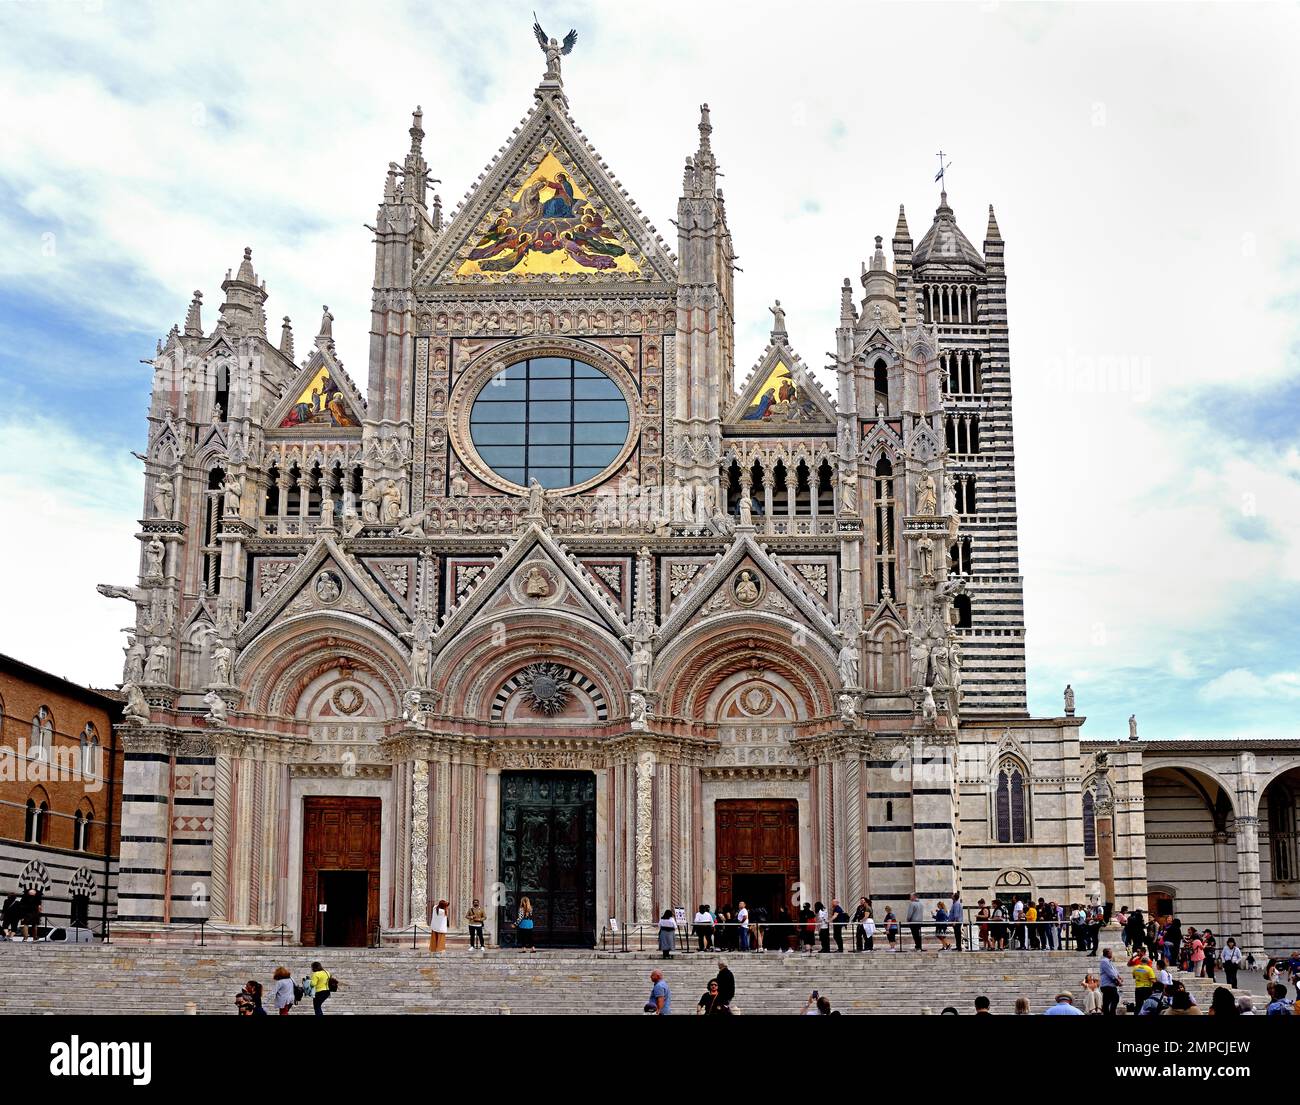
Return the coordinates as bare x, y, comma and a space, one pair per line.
884, 506
825, 489
272, 490
221, 396
962, 605
1089, 822
212, 504
881, 375
1010, 803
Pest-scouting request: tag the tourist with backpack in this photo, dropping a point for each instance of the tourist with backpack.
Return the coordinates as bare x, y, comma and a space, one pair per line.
323, 984
286, 993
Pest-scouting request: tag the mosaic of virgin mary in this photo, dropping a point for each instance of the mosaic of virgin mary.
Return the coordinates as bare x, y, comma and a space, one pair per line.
548, 227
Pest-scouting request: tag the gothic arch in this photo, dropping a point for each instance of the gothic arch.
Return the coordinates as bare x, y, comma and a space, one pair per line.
693, 666
473, 670
284, 667
1264, 782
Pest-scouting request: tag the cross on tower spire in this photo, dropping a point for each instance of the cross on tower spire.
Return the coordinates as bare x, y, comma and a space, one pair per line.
944, 166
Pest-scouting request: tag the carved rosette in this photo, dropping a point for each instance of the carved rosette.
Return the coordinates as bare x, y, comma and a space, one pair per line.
420, 842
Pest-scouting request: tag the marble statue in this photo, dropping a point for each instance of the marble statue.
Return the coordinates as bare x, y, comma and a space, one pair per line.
925, 549
459, 486
536, 498
920, 658
216, 705
233, 492
135, 659
154, 554
746, 510
949, 494
638, 710
163, 497
222, 661
778, 318
929, 708
421, 638
553, 50
1132, 727
158, 669
847, 663
327, 512
536, 585
412, 526
848, 710
1069, 701
411, 708
747, 589
137, 706
390, 504
926, 498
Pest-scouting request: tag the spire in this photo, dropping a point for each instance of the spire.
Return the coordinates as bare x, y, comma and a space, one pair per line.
437, 211
286, 338
242, 313
993, 234
706, 130
878, 258
848, 316
901, 231
193, 322
880, 304
415, 172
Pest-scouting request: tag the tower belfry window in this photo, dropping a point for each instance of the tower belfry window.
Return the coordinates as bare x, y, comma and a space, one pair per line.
884, 508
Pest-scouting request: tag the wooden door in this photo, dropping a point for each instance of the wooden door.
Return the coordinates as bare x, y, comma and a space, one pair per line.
340, 834
756, 837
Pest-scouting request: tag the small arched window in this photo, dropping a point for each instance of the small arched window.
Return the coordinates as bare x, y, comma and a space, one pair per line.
880, 375
962, 605
36, 827
1010, 806
42, 741
89, 751
1089, 823
82, 821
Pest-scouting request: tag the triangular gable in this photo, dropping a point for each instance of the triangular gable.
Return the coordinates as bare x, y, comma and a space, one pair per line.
794, 596
547, 209
885, 612
319, 397
780, 392
491, 594
311, 585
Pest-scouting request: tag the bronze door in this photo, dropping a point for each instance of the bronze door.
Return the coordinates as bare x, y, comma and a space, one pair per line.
548, 854
340, 869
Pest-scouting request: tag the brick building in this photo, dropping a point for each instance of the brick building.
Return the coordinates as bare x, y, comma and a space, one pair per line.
60, 793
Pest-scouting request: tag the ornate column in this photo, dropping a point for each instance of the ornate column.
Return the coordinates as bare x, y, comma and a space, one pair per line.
218, 888
420, 842
645, 774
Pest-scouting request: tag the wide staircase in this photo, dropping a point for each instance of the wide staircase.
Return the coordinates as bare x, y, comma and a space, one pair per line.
93, 978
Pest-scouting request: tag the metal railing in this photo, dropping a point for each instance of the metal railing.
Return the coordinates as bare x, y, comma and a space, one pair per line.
969, 935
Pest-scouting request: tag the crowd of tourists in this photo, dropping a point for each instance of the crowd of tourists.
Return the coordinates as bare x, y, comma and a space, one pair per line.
316, 987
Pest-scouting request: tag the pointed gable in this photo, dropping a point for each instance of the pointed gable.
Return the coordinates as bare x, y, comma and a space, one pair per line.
535, 571
326, 580
547, 209
321, 397
779, 393
747, 578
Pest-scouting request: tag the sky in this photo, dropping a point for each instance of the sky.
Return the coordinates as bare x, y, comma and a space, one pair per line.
1141, 160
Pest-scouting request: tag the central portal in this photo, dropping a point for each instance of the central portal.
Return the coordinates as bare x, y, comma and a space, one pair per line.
340, 871
548, 854
757, 852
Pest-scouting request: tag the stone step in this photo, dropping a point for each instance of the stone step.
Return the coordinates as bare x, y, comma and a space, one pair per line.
161, 979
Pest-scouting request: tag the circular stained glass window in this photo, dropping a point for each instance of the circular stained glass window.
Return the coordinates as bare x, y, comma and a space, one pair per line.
556, 420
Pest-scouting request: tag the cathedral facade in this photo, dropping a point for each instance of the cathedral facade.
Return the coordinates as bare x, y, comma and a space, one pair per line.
562, 605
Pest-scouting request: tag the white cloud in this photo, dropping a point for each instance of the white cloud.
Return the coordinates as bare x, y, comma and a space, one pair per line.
1241, 685
71, 528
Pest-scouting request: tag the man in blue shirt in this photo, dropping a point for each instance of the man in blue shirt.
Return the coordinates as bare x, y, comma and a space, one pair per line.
1064, 1007
1279, 1006
955, 915
661, 999
1109, 984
